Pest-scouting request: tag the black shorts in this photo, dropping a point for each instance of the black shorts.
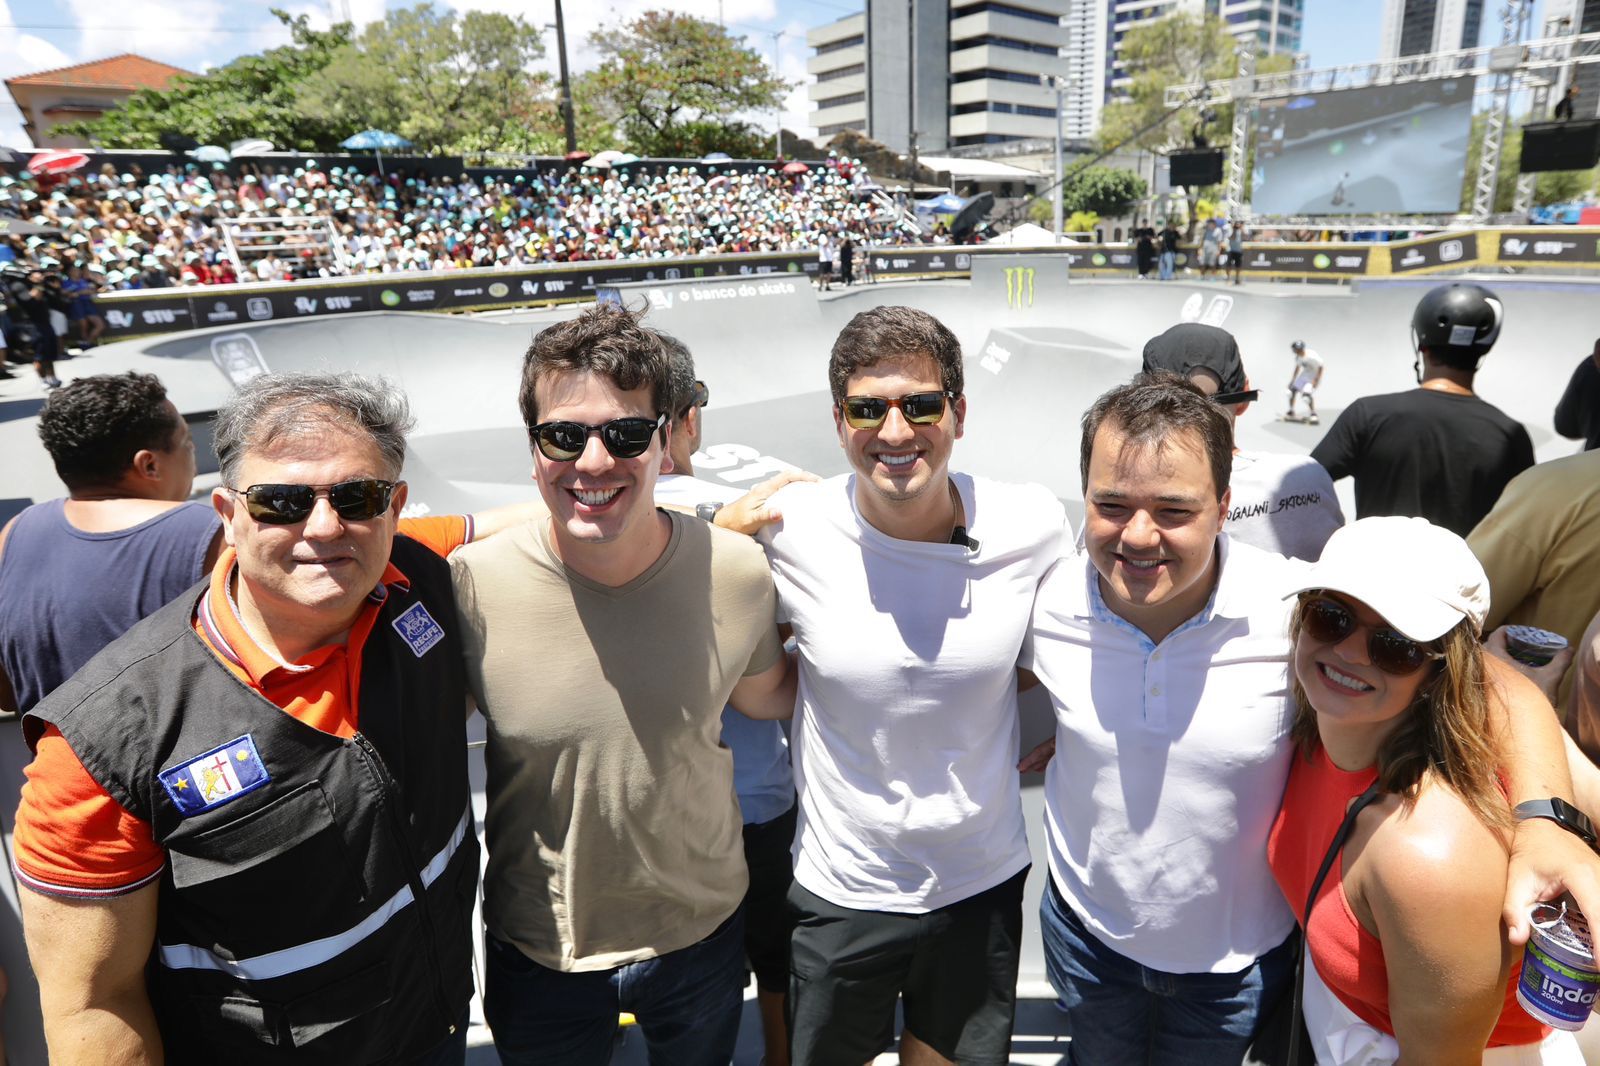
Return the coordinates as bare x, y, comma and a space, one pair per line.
766, 903
1235, 259
956, 968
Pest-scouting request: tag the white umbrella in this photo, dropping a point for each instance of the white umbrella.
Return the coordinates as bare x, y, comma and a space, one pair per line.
250, 146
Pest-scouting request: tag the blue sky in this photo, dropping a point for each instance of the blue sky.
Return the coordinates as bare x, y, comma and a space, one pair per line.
196, 34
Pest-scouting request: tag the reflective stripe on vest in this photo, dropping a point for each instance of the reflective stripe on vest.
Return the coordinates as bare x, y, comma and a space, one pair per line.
305, 956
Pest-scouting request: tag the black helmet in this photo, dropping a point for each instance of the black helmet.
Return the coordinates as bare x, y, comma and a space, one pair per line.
1297, 345
1457, 323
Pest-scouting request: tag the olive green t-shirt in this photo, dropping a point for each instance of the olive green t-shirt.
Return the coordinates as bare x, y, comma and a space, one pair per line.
613, 829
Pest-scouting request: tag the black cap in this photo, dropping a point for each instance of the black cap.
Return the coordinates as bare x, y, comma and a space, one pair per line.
1191, 346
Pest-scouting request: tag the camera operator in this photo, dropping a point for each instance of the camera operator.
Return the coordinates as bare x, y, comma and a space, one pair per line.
33, 299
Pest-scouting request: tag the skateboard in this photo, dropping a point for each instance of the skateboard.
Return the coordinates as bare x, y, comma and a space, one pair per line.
1304, 420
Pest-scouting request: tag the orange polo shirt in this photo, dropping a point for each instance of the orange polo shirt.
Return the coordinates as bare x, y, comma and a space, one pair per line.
73, 839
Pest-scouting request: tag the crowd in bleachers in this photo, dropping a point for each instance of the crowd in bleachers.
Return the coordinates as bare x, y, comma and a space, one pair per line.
129, 229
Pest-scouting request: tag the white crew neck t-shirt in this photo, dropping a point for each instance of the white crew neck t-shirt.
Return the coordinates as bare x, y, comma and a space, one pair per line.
905, 733
1282, 503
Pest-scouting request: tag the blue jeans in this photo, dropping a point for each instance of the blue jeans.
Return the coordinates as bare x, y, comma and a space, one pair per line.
687, 1003
1123, 1014
1168, 261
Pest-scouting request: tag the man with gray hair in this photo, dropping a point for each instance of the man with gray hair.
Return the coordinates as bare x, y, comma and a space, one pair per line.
247, 826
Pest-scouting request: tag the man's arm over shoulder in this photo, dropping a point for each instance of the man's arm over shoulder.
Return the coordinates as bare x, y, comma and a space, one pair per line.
443, 534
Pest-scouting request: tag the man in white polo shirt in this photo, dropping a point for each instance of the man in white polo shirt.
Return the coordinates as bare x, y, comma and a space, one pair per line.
908, 588
1163, 647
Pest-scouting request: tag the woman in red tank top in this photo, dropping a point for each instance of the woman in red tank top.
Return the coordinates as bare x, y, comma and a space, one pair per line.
1408, 959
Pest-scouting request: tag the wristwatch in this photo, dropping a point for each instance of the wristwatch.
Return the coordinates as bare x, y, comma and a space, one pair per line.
1560, 812
707, 511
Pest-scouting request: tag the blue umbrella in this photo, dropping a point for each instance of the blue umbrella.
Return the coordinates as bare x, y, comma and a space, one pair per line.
375, 141
945, 204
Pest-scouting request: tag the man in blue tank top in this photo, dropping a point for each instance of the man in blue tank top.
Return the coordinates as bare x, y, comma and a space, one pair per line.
76, 573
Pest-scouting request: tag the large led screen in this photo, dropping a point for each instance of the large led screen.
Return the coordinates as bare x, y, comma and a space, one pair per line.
1387, 149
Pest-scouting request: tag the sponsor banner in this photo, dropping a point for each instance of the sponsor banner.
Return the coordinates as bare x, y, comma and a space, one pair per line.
1340, 260
300, 300
158, 311
1439, 251
1544, 246
909, 262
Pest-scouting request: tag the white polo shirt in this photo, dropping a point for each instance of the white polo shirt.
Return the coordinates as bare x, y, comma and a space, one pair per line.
1170, 764
905, 731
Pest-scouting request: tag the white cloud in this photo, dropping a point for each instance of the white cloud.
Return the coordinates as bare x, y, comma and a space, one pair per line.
21, 53
182, 32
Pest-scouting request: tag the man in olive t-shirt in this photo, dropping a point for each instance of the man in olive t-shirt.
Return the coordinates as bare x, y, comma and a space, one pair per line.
601, 644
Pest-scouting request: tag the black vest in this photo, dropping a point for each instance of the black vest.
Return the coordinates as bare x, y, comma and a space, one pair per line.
317, 900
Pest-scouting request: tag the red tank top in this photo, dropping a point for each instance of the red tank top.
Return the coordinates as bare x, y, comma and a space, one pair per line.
1349, 959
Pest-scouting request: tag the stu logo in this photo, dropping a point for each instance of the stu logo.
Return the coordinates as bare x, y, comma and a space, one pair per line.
1019, 281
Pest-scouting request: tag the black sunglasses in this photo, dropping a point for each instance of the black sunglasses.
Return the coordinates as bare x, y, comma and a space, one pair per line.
1327, 621
1229, 399
358, 500
624, 438
919, 408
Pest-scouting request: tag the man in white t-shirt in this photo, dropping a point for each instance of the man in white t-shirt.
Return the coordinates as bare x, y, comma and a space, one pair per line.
1307, 377
908, 589
1282, 503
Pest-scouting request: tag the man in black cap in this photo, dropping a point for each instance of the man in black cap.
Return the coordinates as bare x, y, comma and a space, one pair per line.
1281, 502
1439, 451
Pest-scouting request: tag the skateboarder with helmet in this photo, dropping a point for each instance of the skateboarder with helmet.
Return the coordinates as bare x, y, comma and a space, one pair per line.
1307, 377
1439, 451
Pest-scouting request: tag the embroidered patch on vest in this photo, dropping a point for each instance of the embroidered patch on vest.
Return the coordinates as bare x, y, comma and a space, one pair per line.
220, 775
418, 629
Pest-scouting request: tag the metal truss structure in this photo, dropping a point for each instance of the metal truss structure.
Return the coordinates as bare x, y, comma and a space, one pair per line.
1515, 66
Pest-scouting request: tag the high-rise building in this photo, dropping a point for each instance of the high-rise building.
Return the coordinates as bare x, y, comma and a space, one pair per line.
960, 72
1272, 26
1266, 26
1417, 27
971, 68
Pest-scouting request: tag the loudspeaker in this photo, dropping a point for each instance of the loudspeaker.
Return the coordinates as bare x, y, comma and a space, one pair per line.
1202, 167
1570, 145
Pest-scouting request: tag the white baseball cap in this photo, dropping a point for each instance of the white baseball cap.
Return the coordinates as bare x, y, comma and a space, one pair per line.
1422, 578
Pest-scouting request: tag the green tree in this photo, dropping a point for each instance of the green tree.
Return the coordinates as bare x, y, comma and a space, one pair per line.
675, 84
1179, 49
253, 96
1105, 191
444, 81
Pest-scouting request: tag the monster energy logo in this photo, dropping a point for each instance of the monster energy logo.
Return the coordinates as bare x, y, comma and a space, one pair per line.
1019, 280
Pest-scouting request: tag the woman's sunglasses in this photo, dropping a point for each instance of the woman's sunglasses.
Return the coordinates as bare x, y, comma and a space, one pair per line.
624, 438
868, 412
358, 500
1327, 621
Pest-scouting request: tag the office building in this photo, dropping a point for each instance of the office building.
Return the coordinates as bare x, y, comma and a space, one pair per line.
1265, 26
970, 71
970, 68
1417, 27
